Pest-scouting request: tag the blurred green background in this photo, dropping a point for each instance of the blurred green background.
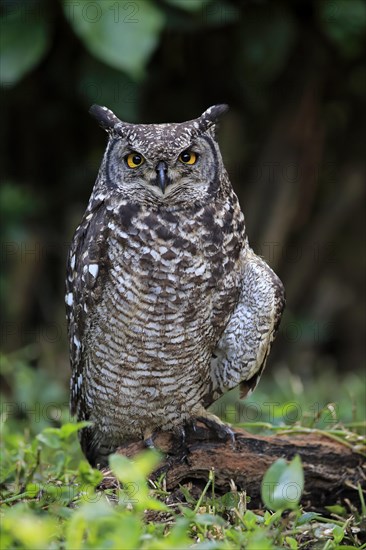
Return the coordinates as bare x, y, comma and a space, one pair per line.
293, 73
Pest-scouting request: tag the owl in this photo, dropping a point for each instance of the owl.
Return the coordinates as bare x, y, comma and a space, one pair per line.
168, 307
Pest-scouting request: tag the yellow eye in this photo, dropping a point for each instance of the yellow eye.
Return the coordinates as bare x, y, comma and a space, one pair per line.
188, 157
134, 160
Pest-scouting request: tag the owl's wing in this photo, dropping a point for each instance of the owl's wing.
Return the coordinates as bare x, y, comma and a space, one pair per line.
86, 263
242, 350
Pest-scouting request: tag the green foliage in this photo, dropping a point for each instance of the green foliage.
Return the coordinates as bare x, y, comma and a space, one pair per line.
122, 35
22, 528
285, 404
133, 476
283, 485
16, 204
344, 22
54, 437
23, 43
51, 498
37, 401
47, 507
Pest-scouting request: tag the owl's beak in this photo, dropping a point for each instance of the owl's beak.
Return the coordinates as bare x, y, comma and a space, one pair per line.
161, 173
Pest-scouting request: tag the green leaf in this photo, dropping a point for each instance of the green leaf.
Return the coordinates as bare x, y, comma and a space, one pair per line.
133, 474
68, 429
187, 495
292, 543
154, 504
93, 520
307, 518
177, 538
121, 34
50, 437
134, 471
33, 489
129, 530
338, 534
88, 474
336, 509
24, 40
53, 437
283, 484
208, 519
250, 519
229, 500
344, 22
75, 531
28, 529
259, 541
272, 518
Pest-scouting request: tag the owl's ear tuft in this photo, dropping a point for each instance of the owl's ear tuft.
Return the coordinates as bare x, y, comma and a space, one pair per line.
211, 116
105, 117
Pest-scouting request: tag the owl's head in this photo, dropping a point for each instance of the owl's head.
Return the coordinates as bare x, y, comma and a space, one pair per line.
167, 163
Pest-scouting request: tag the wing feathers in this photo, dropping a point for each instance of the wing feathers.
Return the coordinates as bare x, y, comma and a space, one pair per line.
86, 262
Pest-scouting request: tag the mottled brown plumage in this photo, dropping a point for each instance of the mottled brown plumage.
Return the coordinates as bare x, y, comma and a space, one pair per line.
168, 307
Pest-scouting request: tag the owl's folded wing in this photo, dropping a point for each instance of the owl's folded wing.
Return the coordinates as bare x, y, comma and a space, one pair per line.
242, 350
86, 262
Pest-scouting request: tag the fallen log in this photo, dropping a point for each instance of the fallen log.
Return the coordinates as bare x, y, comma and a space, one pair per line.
332, 470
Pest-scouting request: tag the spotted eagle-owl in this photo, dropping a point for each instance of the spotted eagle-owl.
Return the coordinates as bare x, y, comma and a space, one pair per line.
168, 307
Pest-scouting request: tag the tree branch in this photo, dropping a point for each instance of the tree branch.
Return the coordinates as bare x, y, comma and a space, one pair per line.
332, 469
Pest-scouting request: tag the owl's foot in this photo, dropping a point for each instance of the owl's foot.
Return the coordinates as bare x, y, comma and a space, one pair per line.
223, 431
181, 434
178, 433
214, 423
149, 437
149, 443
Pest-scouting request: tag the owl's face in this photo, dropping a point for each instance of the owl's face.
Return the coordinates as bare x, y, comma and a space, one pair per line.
167, 163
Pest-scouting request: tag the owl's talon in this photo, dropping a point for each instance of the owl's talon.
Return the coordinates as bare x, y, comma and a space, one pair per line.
231, 435
223, 431
191, 424
149, 442
182, 435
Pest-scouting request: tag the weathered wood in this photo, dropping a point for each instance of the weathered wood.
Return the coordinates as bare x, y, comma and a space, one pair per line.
332, 470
